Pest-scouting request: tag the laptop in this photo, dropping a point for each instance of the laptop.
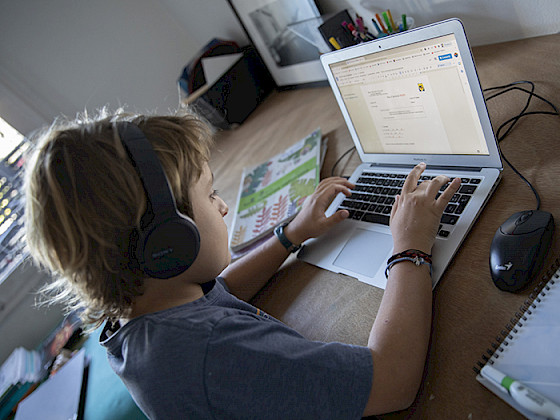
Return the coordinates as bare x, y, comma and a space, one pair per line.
407, 98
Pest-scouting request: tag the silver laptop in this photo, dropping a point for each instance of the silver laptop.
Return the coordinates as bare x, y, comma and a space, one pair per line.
407, 98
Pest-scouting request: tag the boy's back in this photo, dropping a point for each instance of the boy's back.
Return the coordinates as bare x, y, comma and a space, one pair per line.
221, 355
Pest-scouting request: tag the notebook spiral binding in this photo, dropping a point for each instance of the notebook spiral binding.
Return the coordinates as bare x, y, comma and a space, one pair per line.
519, 317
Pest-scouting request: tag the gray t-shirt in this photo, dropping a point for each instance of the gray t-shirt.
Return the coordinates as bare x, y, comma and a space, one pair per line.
220, 357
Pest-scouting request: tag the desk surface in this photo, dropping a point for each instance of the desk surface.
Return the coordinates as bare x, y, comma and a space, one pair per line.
468, 311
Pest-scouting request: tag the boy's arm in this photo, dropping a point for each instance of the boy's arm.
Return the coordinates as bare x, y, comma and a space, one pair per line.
400, 334
246, 276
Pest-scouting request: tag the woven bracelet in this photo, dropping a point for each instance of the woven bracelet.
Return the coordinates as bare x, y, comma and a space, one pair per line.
413, 255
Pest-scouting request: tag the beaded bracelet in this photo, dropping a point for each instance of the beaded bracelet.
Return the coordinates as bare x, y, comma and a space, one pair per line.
413, 255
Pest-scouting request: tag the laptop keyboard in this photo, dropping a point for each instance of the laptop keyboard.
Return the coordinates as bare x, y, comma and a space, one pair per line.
374, 195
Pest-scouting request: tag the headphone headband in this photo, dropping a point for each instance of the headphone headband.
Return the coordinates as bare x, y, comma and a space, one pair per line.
168, 241
148, 167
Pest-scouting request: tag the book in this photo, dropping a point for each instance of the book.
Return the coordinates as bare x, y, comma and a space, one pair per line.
528, 349
21, 366
273, 192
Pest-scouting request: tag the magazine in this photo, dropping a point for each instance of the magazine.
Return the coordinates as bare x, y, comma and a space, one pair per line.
273, 192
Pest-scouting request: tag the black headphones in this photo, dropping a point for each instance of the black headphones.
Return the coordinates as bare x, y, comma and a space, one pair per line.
168, 241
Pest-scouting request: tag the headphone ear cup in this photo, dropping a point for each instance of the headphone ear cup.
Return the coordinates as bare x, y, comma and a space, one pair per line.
169, 248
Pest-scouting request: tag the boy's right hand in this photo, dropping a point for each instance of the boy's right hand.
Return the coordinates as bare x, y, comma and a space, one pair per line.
416, 213
311, 220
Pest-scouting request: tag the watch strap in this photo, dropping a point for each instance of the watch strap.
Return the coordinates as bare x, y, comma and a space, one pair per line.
279, 232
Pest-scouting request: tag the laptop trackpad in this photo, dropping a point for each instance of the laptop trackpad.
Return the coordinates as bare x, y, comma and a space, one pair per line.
365, 252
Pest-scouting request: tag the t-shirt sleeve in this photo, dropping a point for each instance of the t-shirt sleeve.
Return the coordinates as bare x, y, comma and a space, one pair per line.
260, 368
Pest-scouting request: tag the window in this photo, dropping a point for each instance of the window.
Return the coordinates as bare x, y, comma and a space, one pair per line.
13, 148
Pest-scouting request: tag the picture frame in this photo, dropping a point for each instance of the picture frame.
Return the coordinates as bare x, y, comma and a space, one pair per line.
291, 59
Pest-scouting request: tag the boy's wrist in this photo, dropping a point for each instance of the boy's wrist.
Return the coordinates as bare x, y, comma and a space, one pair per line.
405, 245
287, 238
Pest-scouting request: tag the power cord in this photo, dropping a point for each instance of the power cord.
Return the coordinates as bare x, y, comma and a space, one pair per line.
340, 158
510, 123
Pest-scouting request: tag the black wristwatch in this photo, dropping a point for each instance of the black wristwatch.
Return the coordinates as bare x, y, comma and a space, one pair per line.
279, 232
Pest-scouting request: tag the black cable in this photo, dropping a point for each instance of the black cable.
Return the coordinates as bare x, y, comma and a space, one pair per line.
514, 120
340, 158
517, 118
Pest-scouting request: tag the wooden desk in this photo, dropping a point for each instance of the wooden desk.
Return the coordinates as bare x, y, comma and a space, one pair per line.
468, 312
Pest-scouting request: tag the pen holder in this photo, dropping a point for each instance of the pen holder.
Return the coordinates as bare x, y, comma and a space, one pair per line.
336, 35
399, 25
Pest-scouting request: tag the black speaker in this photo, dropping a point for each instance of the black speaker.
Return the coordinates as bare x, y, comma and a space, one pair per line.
168, 241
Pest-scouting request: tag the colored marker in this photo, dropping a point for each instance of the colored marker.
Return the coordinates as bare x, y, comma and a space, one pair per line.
345, 26
377, 28
357, 35
386, 19
334, 43
391, 19
381, 23
360, 23
405, 27
522, 394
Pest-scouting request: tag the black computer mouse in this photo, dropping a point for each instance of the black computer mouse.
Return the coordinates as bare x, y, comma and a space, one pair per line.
519, 248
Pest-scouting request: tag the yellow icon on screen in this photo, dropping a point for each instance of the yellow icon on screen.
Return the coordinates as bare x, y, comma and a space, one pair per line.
421, 87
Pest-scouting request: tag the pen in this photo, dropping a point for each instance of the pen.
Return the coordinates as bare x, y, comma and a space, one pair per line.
381, 23
358, 35
522, 394
352, 31
386, 19
377, 28
334, 42
360, 23
391, 20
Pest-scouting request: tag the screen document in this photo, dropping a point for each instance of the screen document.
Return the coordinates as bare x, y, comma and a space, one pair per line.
413, 99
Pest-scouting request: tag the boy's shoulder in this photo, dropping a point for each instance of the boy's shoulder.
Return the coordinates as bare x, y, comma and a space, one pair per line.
198, 319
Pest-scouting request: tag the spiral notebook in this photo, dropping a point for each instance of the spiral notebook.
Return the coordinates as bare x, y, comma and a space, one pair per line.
528, 349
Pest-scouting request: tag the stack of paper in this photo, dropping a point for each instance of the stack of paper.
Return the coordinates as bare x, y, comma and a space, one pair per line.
18, 373
22, 366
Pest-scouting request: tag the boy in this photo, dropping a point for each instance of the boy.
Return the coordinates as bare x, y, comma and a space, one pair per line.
190, 346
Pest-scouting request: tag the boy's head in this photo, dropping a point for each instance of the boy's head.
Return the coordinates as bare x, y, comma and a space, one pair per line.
85, 200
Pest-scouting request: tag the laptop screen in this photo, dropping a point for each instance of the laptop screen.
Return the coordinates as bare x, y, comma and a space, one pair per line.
413, 99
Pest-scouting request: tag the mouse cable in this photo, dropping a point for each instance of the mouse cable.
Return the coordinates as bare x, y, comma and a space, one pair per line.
510, 123
340, 158
515, 119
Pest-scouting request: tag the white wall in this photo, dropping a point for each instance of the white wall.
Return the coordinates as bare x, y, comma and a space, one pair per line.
64, 56
22, 321
486, 21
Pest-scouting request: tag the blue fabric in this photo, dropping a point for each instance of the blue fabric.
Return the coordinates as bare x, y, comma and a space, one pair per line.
219, 357
106, 395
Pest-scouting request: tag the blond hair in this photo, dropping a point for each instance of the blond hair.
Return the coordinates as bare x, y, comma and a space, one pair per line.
85, 200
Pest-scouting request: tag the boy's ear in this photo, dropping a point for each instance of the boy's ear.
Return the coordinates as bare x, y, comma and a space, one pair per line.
169, 248
168, 242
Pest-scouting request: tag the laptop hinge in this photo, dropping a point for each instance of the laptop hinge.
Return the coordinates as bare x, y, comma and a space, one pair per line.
431, 167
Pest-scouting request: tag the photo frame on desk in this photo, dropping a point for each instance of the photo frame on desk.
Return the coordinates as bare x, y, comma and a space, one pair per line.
290, 59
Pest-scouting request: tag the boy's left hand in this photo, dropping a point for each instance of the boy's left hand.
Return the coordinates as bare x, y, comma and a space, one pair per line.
311, 220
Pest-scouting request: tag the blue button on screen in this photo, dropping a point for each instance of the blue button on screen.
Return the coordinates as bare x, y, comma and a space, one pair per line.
444, 57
